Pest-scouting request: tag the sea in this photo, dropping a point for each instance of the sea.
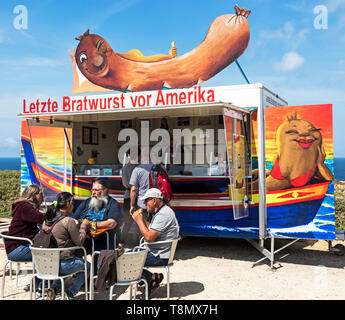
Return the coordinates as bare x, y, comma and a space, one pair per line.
339, 169
10, 163
13, 163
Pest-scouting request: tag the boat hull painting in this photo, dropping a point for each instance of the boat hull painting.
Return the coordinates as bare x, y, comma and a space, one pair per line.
298, 212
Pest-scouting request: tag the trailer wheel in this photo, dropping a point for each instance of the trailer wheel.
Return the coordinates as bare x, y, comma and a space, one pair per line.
339, 250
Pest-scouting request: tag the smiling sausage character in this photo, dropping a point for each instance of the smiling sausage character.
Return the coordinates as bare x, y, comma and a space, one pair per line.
226, 40
300, 155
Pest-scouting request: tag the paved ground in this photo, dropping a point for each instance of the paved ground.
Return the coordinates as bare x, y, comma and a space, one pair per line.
223, 269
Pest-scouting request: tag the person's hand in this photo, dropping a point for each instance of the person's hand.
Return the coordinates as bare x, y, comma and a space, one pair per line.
87, 223
137, 215
46, 228
131, 210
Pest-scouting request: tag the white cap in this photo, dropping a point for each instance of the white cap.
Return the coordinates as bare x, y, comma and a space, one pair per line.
152, 193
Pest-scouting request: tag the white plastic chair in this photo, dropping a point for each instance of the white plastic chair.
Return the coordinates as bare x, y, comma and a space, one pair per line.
170, 260
5, 237
129, 268
46, 263
108, 241
4, 225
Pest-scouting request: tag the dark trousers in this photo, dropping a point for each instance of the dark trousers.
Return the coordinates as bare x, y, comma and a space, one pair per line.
127, 220
127, 223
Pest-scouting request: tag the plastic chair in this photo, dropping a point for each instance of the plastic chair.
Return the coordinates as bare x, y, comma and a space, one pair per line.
5, 236
129, 268
170, 260
4, 225
108, 241
46, 264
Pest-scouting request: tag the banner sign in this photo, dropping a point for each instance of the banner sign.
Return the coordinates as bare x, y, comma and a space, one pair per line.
116, 101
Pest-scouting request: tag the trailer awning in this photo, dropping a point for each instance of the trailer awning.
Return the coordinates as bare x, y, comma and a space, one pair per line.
201, 109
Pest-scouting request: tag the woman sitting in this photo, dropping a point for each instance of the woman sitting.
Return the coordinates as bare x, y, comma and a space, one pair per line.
68, 232
25, 218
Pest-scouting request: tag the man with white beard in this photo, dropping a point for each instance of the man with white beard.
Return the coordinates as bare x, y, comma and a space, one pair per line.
103, 209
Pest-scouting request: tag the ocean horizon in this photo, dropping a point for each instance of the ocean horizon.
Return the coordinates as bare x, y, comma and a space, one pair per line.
9, 163
13, 163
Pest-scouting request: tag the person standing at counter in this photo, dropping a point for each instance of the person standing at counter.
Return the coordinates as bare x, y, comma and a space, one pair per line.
126, 176
140, 183
103, 209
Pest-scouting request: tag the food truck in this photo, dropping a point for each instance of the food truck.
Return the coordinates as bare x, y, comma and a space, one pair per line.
225, 134
241, 161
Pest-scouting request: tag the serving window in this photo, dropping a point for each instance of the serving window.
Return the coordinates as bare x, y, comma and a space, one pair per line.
187, 146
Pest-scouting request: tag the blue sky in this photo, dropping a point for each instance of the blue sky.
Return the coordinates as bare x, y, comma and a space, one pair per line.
303, 64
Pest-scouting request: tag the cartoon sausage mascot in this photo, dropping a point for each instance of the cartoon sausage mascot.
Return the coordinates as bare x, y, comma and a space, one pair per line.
226, 40
300, 155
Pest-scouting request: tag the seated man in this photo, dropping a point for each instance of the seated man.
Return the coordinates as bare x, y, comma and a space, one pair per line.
103, 209
163, 226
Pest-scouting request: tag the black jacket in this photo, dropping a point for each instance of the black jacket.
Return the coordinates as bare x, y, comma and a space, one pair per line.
107, 267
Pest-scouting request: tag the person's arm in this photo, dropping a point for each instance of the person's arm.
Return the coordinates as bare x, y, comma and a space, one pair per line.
113, 216
149, 234
31, 214
133, 196
109, 224
134, 184
77, 214
125, 176
76, 232
46, 228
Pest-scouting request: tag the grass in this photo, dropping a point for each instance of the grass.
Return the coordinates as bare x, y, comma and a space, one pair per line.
339, 199
10, 191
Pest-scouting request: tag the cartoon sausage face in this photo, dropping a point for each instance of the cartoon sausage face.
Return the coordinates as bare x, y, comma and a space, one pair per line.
91, 56
226, 40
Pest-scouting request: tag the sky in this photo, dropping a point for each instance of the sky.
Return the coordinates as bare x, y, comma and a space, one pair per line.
296, 48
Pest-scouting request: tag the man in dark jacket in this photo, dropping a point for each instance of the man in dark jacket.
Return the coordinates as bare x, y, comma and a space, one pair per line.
102, 209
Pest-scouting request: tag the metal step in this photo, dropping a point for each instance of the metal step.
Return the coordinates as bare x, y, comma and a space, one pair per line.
340, 234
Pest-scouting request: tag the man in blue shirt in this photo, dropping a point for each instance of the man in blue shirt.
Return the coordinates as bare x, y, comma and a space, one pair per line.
103, 209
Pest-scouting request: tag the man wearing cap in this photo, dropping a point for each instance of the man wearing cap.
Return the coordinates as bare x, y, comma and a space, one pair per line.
163, 226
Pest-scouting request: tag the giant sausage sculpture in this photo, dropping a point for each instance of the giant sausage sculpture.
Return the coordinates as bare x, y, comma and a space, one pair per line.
226, 40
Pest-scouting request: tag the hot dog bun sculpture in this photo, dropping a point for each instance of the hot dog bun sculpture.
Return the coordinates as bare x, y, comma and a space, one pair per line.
226, 40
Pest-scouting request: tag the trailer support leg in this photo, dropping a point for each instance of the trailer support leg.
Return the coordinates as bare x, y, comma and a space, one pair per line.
268, 254
338, 249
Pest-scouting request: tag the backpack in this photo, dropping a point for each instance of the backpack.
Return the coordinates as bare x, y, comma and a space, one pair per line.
45, 239
159, 179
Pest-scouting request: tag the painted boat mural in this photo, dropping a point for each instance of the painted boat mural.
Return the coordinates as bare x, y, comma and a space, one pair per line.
303, 212
41, 161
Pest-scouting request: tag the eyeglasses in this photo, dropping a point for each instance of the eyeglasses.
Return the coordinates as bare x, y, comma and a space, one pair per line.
96, 190
148, 199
